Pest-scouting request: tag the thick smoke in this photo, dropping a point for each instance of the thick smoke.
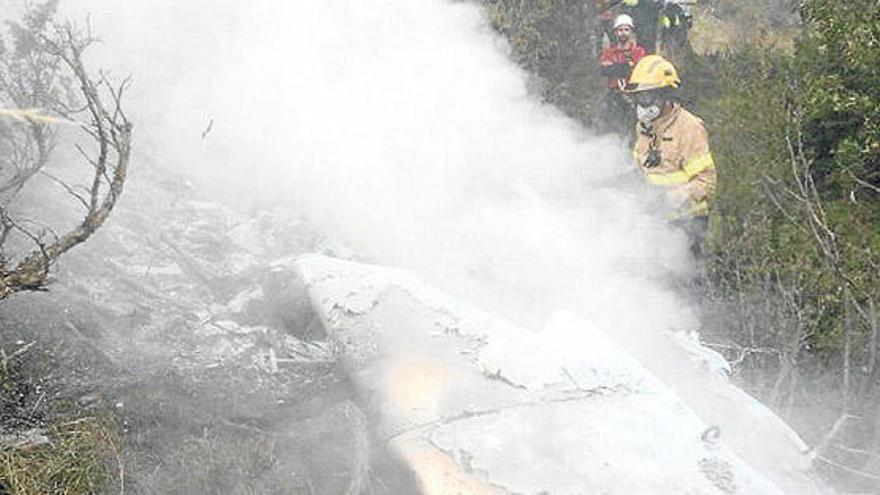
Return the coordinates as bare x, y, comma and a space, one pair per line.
403, 129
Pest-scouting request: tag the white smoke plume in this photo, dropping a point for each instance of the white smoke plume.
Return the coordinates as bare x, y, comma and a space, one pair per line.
403, 128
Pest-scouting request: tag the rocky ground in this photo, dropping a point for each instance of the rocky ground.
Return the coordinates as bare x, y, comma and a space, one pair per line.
184, 322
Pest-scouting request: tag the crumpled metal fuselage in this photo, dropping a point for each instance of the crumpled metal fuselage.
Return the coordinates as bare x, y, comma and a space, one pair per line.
475, 405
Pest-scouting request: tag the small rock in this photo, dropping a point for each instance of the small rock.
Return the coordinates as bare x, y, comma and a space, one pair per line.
87, 400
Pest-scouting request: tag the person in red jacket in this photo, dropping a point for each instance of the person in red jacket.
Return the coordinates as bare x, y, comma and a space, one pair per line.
617, 62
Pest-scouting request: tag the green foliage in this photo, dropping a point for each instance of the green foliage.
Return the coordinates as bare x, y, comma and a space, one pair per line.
760, 247
796, 221
552, 39
825, 95
762, 102
839, 65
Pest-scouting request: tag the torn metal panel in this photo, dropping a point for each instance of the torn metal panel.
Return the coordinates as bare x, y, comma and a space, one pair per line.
474, 404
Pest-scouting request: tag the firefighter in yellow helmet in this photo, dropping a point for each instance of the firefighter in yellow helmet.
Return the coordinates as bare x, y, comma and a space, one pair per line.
672, 146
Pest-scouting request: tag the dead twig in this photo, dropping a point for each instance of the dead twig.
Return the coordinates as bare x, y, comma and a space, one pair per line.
816, 451
851, 450
863, 183
848, 469
66, 187
21, 350
875, 334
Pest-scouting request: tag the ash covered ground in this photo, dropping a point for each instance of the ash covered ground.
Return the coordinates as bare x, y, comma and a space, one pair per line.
184, 321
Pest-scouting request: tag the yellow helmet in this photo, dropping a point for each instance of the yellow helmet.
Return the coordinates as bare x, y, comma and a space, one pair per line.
652, 72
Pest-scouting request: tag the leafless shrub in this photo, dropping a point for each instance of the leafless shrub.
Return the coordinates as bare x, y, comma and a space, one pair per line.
47, 94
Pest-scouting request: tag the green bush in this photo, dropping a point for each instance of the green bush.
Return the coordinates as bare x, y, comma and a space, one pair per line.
794, 270
823, 102
796, 221
552, 39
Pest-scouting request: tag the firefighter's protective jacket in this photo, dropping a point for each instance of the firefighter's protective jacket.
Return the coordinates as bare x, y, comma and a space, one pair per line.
682, 162
617, 63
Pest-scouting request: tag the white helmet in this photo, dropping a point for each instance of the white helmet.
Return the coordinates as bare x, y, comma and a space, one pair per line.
624, 20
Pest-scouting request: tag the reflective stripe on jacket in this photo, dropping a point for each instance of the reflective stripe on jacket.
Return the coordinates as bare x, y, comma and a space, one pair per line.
685, 166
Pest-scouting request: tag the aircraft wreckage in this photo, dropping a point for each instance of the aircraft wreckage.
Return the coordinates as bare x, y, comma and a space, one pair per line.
473, 404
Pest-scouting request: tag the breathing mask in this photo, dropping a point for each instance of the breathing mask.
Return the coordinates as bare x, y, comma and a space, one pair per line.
649, 104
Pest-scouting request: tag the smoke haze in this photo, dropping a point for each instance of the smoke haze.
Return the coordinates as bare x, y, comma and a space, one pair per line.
404, 130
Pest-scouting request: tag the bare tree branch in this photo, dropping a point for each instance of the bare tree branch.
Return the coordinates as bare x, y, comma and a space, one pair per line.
835, 430
67, 187
58, 50
863, 183
857, 472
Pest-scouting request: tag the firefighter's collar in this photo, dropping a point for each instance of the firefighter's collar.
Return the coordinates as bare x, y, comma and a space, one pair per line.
664, 122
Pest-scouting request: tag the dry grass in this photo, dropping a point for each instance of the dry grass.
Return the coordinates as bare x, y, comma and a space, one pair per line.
711, 34
82, 457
